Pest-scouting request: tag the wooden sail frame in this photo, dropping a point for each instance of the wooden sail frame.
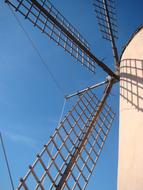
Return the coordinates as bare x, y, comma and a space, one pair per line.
69, 158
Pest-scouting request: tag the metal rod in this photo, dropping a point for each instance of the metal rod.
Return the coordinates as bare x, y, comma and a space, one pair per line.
85, 90
81, 145
99, 62
6, 159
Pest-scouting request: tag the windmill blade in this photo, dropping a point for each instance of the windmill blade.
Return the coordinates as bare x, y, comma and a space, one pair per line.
69, 158
50, 21
107, 21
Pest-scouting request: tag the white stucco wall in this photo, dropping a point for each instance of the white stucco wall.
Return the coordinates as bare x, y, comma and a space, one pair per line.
130, 166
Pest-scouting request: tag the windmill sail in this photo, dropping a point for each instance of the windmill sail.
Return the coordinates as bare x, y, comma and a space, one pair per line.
69, 158
107, 21
50, 21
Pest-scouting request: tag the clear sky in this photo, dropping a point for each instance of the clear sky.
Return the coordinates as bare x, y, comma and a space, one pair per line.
31, 102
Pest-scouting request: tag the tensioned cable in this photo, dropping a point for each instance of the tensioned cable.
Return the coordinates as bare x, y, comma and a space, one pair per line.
61, 116
60, 119
62, 112
38, 52
6, 160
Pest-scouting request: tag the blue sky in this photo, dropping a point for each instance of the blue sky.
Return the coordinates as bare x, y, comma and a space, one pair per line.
31, 102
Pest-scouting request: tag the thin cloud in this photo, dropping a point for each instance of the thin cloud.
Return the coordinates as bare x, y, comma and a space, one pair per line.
23, 139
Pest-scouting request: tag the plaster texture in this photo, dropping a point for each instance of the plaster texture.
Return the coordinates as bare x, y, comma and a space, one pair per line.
130, 164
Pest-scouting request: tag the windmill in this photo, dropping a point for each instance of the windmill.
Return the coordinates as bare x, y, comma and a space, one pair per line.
80, 137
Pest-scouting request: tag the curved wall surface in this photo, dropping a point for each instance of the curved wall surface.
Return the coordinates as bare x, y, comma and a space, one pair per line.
130, 166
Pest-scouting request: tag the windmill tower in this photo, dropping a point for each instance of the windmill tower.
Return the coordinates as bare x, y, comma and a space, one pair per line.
79, 139
131, 115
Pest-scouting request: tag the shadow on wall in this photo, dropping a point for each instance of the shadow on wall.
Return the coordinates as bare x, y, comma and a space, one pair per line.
131, 82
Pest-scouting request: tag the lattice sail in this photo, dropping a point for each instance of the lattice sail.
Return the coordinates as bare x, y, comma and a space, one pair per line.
68, 159
106, 16
50, 21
